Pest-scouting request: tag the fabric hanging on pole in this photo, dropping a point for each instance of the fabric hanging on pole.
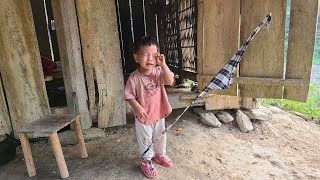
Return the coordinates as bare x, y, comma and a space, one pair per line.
223, 79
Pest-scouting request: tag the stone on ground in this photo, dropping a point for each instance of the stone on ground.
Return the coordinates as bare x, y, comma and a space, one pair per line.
69, 137
243, 122
262, 114
224, 116
207, 117
300, 115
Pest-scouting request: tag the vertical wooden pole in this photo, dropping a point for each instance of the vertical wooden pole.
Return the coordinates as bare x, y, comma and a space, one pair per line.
27, 154
70, 53
59, 155
79, 134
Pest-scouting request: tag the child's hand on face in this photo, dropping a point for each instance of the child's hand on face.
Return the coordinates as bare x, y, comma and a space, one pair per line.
161, 60
141, 112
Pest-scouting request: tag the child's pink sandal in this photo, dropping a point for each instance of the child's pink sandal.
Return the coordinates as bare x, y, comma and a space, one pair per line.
164, 160
148, 169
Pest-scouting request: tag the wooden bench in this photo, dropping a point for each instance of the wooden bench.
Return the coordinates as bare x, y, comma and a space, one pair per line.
50, 125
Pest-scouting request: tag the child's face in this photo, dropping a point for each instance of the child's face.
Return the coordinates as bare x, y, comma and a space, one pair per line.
146, 57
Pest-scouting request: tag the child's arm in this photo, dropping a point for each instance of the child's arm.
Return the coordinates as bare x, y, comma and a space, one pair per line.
167, 74
137, 108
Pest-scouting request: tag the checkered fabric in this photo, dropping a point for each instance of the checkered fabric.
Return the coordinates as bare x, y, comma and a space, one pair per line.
224, 78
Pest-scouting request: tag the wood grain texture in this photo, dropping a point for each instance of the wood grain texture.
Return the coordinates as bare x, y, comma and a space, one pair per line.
101, 51
218, 102
21, 68
219, 36
81, 144
5, 126
64, 173
264, 57
303, 24
27, 154
70, 53
49, 124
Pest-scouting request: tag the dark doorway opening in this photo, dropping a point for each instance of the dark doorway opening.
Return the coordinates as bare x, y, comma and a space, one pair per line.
172, 22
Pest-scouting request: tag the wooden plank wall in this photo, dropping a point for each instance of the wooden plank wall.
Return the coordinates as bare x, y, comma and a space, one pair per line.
265, 55
21, 68
5, 126
101, 51
303, 25
70, 53
218, 38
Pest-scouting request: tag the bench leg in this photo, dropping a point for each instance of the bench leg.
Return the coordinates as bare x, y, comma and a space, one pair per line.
59, 155
27, 154
83, 149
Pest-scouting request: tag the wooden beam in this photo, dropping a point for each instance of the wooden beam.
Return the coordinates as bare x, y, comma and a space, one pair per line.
20, 68
101, 52
269, 81
262, 81
303, 25
220, 102
70, 53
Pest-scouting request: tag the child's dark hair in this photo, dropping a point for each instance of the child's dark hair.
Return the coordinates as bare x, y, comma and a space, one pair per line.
145, 41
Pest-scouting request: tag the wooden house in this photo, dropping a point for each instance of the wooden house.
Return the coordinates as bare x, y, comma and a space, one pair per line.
93, 41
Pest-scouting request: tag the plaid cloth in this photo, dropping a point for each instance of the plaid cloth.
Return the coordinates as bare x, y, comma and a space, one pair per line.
224, 78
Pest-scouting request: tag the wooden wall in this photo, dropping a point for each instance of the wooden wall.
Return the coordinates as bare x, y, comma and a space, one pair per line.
264, 57
303, 25
263, 72
20, 68
102, 60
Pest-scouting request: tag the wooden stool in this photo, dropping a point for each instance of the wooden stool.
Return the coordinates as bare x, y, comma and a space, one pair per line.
50, 125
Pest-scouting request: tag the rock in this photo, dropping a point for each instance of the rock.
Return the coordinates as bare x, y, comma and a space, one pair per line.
224, 116
315, 120
262, 114
300, 115
243, 122
69, 137
207, 117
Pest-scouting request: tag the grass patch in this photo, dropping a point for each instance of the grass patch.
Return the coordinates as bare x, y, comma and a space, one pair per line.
310, 108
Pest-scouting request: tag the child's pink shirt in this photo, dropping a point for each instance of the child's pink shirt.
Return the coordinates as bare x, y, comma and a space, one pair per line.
149, 91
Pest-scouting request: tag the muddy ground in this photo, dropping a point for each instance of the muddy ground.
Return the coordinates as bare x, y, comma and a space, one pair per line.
285, 148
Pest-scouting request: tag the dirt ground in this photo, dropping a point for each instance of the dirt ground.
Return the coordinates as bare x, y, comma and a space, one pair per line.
285, 148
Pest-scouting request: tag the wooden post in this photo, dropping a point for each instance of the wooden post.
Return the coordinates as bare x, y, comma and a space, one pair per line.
27, 154
102, 55
59, 155
20, 64
303, 27
82, 145
70, 52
